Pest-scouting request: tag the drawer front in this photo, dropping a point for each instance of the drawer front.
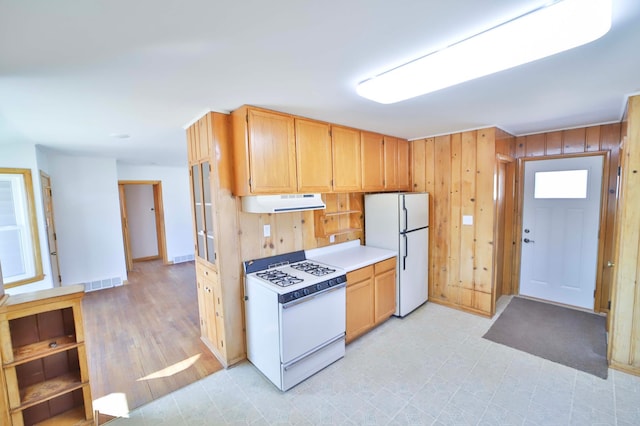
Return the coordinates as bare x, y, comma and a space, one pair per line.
385, 265
359, 275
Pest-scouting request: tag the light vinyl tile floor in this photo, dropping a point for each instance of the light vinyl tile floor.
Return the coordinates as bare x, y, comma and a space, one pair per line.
430, 368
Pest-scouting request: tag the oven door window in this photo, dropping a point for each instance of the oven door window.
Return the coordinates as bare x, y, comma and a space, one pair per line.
310, 323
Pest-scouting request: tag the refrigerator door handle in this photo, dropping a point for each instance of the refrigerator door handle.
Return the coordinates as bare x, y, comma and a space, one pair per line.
406, 252
406, 214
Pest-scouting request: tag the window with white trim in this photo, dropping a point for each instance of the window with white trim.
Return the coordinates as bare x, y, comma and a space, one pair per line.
19, 244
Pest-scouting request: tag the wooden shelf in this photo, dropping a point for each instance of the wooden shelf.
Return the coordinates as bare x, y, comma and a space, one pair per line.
346, 231
44, 391
342, 212
73, 417
42, 349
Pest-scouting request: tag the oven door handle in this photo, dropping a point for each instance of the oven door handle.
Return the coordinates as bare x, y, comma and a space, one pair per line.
311, 352
312, 296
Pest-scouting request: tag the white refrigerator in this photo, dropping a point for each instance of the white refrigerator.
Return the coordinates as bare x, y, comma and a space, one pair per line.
400, 221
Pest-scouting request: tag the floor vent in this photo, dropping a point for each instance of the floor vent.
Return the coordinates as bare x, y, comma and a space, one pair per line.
180, 259
101, 284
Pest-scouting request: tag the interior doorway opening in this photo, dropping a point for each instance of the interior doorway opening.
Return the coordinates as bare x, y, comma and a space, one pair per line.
142, 215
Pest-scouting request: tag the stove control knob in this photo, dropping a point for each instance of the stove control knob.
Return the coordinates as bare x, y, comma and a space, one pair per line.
296, 294
332, 282
305, 291
318, 287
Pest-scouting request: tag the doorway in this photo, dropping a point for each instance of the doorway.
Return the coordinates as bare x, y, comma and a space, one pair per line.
560, 229
47, 202
142, 216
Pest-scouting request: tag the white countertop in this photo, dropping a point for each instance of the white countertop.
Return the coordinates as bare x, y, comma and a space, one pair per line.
350, 255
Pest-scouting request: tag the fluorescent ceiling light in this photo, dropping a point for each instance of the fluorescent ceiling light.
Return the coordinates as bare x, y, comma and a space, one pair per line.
551, 29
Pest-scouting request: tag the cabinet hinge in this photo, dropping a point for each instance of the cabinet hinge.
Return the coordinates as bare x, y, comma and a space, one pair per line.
609, 305
246, 117
209, 168
50, 193
55, 236
619, 170
330, 134
60, 280
249, 182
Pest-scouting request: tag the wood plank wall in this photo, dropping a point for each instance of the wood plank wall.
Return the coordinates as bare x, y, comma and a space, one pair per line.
601, 138
624, 338
292, 231
458, 171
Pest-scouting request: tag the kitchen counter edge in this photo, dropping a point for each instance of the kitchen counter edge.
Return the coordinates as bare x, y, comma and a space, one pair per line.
350, 256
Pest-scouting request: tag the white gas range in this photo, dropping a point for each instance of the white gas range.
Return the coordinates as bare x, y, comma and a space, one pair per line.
295, 316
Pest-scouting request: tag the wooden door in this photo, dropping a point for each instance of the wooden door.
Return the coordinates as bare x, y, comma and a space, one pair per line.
372, 149
210, 308
313, 155
390, 163
360, 313
404, 172
346, 162
202, 306
385, 293
47, 201
125, 228
272, 152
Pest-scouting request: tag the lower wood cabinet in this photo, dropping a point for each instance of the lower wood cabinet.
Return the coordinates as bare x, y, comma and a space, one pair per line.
210, 308
384, 289
45, 374
371, 297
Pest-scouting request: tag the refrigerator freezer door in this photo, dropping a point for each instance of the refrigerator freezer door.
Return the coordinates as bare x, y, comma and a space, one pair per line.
413, 274
414, 211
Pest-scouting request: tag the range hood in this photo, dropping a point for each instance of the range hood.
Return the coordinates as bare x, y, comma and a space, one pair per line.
282, 203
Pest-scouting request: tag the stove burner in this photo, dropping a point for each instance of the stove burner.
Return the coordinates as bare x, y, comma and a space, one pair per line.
279, 278
313, 268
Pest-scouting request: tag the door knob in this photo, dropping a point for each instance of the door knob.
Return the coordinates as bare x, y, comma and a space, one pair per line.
526, 240
610, 264
53, 253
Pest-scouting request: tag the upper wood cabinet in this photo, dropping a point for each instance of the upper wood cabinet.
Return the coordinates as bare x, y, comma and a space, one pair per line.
372, 149
404, 172
313, 155
396, 164
390, 163
264, 152
277, 153
345, 145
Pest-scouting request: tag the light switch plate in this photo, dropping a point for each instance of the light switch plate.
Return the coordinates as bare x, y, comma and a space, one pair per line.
332, 238
467, 220
266, 230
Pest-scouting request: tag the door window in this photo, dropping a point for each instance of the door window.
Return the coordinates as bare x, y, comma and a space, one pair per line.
561, 184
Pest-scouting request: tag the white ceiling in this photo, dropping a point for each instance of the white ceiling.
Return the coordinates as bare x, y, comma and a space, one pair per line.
74, 72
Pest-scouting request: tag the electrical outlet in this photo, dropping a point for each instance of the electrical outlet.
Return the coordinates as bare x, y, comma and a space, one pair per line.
266, 230
332, 238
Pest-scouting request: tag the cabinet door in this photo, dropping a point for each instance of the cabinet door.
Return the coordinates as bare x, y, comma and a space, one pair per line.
272, 152
202, 307
404, 173
345, 143
390, 163
360, 314
205, 138
198, 210
313, 151
385, 295
372, 149
210, 310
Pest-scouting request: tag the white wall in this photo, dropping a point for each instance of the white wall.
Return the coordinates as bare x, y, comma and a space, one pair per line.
25, 156
141, 218
86, 206
176, 201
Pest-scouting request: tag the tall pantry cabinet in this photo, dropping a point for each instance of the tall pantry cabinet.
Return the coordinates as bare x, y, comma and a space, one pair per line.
215, 235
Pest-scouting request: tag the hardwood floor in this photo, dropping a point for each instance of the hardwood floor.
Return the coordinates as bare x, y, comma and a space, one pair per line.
143, 339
